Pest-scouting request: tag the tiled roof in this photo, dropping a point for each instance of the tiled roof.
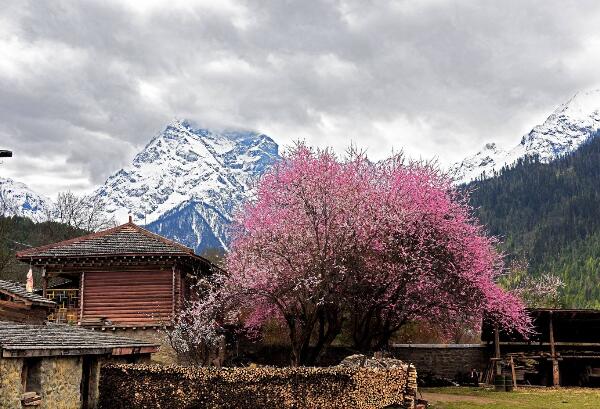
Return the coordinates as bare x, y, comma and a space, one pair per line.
18, 291
127, 239
61, 339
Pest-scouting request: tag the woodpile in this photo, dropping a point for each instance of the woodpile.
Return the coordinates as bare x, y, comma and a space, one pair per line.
144, 386
31, 399
362, 361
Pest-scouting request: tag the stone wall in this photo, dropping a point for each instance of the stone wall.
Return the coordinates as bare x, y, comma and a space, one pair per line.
143, 386
445, 360
10, 383
166, 354
60, 379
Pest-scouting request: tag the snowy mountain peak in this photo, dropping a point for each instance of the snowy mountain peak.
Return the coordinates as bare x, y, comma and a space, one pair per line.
187, 181
581, 105
570, 125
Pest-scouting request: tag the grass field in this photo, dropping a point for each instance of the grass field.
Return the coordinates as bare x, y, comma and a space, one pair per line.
524, 398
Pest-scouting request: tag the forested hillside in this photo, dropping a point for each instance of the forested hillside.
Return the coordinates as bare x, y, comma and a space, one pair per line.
18, 233
550, 215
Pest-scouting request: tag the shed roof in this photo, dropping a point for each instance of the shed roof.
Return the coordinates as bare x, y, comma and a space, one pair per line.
18, 340
569, 325
124, 240
18, 291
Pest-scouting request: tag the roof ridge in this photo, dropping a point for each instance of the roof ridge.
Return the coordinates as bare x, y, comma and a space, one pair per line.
89, 236
18, 290
169, 246
160, 238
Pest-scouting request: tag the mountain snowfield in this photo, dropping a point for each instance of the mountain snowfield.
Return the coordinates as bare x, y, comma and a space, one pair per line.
187, 182
570, 125
18, 199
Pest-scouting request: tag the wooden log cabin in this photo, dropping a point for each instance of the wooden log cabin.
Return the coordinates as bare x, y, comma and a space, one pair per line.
58, 365
124, 277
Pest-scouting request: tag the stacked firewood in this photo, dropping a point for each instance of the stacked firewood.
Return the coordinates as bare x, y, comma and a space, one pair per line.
340, 387
31, 399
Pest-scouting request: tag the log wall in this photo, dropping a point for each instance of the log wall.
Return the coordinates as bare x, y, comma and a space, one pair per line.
140, 297
17, 312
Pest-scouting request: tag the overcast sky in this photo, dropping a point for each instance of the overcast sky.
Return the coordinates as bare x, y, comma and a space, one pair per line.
85, 84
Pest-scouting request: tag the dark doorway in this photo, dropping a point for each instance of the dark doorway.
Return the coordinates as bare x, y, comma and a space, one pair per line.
86, 370
30, 375
90, 373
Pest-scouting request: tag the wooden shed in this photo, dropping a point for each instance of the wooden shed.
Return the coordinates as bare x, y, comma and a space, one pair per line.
58, 365
124, 277
564, 348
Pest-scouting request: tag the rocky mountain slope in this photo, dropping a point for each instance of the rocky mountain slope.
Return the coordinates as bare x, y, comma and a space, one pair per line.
570, 125
187, 182
17, 199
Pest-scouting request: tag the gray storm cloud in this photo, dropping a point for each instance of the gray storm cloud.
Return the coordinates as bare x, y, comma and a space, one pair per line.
84, 85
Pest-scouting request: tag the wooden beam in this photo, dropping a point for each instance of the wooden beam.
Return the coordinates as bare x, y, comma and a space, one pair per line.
82, 285
512, 370
173, 293
44, 283
555, 369
556, 343
24, 353
497, 350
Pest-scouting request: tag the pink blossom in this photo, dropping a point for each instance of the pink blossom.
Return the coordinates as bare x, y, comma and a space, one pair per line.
368, 246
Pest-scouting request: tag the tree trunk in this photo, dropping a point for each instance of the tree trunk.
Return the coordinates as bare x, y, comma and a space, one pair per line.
330, 326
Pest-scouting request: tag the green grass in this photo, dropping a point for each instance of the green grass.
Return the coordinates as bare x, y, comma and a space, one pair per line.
523, 398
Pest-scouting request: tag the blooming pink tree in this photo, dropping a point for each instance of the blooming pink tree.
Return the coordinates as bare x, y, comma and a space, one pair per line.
332, 244
429, 262
197, 331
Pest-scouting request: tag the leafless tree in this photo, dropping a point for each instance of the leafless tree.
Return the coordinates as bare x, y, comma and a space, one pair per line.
83, 212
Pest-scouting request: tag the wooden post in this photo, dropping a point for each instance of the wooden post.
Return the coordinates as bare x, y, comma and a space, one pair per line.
81, 290
555, 371
44, 283
512, 370
497, 350
173, 311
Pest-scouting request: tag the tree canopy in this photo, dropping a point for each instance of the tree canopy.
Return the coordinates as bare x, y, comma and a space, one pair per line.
334, 244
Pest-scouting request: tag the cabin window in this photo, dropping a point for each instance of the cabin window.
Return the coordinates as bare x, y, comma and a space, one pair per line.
30, 375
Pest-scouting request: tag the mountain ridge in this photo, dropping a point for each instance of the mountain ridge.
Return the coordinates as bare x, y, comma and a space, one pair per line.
187, 181
566, 128
548, 214
190, 173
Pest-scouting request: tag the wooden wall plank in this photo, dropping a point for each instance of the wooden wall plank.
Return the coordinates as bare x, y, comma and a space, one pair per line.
129, 297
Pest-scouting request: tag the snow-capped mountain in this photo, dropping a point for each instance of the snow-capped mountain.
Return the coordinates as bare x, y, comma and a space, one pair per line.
570, 125
17, 199
186, 183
